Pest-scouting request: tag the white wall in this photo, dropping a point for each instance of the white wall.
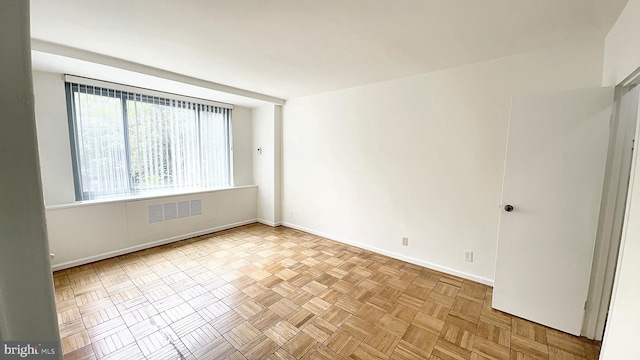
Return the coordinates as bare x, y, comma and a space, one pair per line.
622, 53
242, 147
27, 308
83, 233
53, 138
277, 168
420, 157
267, 122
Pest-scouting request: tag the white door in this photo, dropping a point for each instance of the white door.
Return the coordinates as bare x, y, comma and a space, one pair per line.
554, 172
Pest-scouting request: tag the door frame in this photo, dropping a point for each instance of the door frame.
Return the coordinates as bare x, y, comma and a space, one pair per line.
613, 206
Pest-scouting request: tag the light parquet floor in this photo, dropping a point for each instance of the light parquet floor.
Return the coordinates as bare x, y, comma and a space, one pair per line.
257, 292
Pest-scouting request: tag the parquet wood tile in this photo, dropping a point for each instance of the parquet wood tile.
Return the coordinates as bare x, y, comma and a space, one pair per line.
61, 280
226, 321
406, 351
459, 332
202, 301
591, 348
559, 354
264, 319
188, 324
177, 312
348, 304
436, 310
452, 280
135, 304
445, 350
216, 349
411, 301
320, 329
342, 343
83, 353
141, 312
146, 327
496, 318
257, 292
529, 330
420, 338
428, 322
489, 331
367, 352
393, 325
131, 351
260, 347
529, 347
335, 315
281, 332
324, 353
281, 354
316, 306
369, 311
566, 343
70, 328
382, 340
172, 351
241, 335
75, 342
467, 309
300, 345
69, 315
472, 290
490, 350
403, 312
357, 327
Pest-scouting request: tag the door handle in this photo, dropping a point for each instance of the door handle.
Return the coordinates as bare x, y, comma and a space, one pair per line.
508, 208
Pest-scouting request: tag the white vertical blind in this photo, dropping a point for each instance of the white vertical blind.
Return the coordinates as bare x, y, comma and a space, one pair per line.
126, 143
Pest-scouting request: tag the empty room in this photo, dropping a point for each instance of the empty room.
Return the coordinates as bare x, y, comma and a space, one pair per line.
297, 179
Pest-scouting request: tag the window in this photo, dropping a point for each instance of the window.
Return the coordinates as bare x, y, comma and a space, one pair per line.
127, 143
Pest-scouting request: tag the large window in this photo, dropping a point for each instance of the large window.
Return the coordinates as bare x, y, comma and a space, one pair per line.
128, 142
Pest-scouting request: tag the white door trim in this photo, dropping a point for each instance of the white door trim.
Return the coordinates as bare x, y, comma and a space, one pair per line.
612, 210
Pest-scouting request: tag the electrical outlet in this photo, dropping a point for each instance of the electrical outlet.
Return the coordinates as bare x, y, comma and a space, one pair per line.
468, 256
405, 241
290, 214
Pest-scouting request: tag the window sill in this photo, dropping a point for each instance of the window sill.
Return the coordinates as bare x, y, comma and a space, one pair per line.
141, 197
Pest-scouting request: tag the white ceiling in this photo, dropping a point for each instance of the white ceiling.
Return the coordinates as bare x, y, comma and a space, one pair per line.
290, 48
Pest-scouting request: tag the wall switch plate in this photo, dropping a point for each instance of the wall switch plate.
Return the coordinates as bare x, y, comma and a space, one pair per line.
468, 256
405, 241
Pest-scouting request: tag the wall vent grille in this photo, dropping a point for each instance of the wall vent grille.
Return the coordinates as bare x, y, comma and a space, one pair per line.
172, 211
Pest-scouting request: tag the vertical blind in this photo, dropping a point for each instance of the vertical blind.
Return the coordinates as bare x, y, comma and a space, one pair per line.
126, 143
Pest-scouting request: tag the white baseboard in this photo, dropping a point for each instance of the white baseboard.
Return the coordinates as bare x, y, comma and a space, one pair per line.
408, 259
269, 223
110, 254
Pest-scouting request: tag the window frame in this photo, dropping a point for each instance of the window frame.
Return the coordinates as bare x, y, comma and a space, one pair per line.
130, 93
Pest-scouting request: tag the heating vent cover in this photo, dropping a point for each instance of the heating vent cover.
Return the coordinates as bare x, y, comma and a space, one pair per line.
155, 214
184, 209
196, 207
172, 211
